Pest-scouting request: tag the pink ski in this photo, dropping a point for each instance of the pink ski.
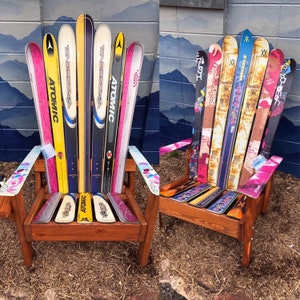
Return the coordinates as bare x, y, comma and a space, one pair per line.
214, 69
133, 65
255, 185
122, 210
15, 182
177, 145
36, 71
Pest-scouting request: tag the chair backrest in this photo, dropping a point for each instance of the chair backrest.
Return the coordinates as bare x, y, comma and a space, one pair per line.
238, 105
84, 103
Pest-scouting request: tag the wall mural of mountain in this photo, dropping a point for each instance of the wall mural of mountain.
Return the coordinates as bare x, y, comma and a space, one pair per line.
18, 127
177, 92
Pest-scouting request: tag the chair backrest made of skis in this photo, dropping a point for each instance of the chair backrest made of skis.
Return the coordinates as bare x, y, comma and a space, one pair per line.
85, 96
240, 94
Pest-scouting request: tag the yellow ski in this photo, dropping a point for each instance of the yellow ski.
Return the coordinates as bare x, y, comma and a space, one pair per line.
85, 208
55, 103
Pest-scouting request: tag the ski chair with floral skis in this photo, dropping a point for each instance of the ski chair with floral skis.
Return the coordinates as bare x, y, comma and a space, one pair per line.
77, 198
221, 190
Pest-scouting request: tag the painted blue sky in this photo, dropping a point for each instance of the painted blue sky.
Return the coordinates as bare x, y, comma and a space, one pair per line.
15, 90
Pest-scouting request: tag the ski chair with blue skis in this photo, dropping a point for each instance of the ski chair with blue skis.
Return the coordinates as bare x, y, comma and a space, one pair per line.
84, 88
240, 94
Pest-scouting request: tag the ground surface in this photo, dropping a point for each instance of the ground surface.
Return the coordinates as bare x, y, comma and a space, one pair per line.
187, 262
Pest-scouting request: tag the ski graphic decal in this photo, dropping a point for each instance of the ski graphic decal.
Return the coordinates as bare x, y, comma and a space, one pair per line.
255, 185
201, 79
214, 68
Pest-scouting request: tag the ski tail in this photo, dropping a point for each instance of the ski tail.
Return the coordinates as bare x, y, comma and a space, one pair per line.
132, 71
102, 58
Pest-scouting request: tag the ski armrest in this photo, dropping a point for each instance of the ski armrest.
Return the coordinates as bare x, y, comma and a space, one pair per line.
15, 182
255, 185
169, 148
150, 176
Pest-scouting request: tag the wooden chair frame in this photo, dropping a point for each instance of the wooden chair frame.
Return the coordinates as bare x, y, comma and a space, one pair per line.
13, 207
242, 229
254, 191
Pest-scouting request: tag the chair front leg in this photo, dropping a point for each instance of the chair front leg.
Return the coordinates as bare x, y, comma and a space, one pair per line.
151, 213
248, 231
19, 215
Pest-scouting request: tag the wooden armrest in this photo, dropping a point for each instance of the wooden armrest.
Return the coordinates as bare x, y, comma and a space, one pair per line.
169, 148
255, 185
149, 174
15, 183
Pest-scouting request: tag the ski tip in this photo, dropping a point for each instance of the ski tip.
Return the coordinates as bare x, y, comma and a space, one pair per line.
119, 44
84, 17
230, 45
49, 44
30, 46
215, 51
103, 29
201, 53
246, 32
262, 43
136, 45
247, 37
277, 54
86, 21
65, 28
292, 65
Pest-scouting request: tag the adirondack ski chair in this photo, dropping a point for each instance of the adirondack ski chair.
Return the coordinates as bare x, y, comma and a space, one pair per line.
115, 215
231, 207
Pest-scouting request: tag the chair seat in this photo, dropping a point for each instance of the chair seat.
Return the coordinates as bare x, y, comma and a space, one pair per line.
93, 231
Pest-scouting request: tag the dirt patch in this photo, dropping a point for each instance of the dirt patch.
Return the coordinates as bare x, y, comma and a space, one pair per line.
187, 261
